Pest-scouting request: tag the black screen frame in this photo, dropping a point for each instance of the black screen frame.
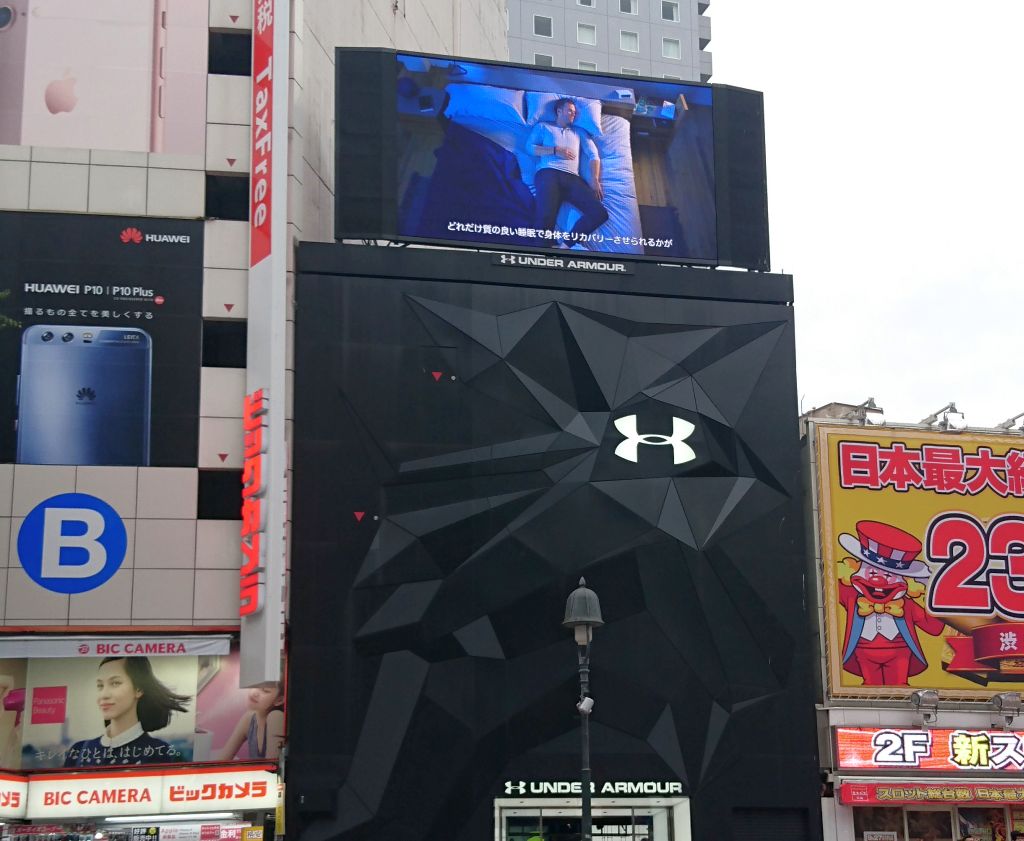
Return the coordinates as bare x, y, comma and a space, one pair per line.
366, 172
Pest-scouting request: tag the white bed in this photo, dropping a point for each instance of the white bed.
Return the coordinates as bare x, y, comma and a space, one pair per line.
504, 125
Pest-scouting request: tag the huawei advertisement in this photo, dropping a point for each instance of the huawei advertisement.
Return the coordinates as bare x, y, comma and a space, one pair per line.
100, 339
104, 74
520, 157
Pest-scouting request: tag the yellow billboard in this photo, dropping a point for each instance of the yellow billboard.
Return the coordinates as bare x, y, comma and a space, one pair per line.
922, 547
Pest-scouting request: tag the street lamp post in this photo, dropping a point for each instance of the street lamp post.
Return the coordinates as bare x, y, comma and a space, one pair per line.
583, 614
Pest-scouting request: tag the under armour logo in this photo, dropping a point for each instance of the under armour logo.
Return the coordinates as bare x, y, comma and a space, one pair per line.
515, 788
505, 259
681, 430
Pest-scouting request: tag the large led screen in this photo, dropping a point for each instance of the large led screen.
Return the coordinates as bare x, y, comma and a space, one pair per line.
451, 151
526, 156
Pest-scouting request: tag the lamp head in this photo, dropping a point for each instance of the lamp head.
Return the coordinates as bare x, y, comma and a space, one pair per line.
582, 613
950, 407
926, 703
1007, 702
926, 698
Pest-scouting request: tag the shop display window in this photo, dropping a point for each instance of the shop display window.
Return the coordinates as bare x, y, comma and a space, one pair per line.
984, 824
930, 824
939, 823
878, 823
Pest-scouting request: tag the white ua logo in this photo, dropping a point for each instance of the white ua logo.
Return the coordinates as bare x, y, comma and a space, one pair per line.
515, 788
681, 430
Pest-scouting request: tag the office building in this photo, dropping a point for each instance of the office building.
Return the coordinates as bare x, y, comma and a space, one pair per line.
660, 38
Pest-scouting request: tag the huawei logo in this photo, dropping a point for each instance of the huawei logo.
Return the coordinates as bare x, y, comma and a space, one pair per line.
85, 394
131, 235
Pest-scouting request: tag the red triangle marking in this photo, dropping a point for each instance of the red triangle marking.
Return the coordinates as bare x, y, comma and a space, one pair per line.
222, 456
437, 375
229, 307
359, 515
231, 161
234, 18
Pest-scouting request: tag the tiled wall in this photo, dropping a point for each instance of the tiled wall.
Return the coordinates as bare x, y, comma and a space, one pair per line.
178, 570
181, 570
100, 181
472, 28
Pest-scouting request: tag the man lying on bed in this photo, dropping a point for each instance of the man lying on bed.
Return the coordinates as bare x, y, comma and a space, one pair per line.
558, 146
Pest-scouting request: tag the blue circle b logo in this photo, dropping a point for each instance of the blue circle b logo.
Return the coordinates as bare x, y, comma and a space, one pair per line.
72, 543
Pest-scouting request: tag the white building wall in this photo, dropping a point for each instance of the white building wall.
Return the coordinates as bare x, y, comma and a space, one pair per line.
649, 22
182, 570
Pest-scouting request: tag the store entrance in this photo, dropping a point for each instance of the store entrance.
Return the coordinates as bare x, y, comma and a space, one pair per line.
622, 827
935, 823
642, 820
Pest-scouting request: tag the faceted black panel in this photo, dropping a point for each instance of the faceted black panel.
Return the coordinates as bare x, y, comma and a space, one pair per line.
463, 453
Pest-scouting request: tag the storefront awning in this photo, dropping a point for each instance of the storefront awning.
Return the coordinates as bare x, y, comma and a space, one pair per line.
142, 645
903, 792
138, 792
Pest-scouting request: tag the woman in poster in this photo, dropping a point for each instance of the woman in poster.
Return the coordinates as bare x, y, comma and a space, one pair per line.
12, 699
261, 727
133, 703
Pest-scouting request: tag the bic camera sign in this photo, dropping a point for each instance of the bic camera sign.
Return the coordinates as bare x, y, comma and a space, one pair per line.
72, 543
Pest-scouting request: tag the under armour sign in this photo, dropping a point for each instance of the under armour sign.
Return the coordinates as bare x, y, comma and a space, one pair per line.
72, 543
681, 430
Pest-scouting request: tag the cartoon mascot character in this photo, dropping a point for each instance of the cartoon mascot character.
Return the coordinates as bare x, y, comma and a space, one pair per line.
882, 614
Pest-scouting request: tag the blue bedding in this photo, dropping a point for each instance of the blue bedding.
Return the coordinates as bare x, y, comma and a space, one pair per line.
475, 181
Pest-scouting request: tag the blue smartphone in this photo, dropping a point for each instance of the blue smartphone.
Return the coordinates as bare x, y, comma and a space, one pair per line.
84, 395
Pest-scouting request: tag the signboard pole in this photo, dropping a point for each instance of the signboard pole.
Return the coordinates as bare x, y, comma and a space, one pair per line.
262, 624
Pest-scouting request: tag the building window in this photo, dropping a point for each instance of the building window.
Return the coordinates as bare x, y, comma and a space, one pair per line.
629, 71
542, 60
627, 7
230, 54
227, 197
670, 48
586, 33
542, 26
589, 3
670, 10
587, 65
218, 494
224, 344
629, 41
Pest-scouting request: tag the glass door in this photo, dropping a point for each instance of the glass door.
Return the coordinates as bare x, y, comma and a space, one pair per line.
924, 824
645, 824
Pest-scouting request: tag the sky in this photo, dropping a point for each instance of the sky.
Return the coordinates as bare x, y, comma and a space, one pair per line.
895, 146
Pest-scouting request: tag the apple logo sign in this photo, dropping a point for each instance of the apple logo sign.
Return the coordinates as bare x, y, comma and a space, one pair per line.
60, 94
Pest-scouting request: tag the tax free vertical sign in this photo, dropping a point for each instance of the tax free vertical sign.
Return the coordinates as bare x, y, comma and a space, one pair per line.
262, 621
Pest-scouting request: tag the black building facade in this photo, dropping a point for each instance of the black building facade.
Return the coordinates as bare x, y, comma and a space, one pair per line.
473, 436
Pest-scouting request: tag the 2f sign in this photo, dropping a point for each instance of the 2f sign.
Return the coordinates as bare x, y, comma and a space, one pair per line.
72, 543
904, 749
